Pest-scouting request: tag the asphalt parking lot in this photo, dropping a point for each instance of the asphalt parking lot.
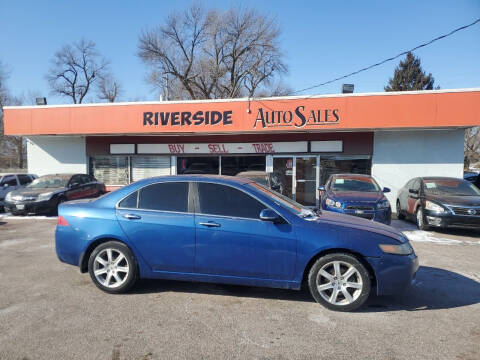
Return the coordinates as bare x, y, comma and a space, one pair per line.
48, 310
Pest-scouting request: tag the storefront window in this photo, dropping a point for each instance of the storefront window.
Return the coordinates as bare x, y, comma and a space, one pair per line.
198, 165
232, 165
111, 170
342, 165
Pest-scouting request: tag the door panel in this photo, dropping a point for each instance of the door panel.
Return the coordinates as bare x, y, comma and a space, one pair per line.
166, 240
245, 247
306, 178
233, 241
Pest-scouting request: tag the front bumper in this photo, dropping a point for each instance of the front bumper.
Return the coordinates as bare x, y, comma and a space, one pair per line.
383, 216
445, 220
394, 273
30, 207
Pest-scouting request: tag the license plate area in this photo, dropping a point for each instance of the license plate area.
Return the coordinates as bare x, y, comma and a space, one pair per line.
20, 207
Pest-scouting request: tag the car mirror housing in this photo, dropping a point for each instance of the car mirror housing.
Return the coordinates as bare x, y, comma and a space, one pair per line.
321, 188
386, 190
413, 191
269, 215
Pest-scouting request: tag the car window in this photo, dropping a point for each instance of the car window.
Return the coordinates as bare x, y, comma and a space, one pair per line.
409, 184
130, 202
9, 180
416, 185
24, 179
85, 179
217, 199
167, 196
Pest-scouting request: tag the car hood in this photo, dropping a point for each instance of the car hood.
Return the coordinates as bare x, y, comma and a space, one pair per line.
359, 196
455, 200
26, 191
360, 224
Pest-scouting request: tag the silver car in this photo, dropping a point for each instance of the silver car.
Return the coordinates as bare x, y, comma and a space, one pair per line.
10, 182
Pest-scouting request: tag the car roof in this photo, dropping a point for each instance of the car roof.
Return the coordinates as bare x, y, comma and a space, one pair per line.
440, 178
252, 173
6, 174
200, 177
352, 174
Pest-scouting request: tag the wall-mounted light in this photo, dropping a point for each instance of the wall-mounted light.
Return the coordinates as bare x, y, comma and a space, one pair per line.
347, 88
41, 101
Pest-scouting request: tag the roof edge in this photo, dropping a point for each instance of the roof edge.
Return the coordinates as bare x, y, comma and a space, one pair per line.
383, 93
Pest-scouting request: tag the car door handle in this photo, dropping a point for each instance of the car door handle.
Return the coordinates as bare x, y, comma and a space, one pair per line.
131, 217
210, 224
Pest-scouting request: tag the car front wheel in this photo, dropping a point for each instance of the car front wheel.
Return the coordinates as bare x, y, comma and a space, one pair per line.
112, 267
400, 214
339, 282
421, 220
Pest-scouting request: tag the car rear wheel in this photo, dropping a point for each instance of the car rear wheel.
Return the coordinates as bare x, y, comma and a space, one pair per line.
400, 214
339, 282
113, 267
421, 219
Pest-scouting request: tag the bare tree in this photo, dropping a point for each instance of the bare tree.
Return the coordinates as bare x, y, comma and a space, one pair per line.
108, 88
10, 146
213, 54
75, 69
472, 146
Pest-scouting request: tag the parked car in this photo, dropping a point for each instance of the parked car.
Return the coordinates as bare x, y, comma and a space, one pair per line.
274, 181
439, 202
230, 230
10, 182
470, 176
357, 195
44, 194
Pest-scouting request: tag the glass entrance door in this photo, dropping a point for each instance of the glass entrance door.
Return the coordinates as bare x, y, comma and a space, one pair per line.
300, 177
306, 180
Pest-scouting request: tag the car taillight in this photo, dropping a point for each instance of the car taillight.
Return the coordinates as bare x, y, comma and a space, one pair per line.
61, 221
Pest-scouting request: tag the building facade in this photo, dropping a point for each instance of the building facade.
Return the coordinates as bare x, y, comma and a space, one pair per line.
392, 136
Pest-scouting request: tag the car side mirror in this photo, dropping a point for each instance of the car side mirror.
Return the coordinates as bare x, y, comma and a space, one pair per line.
386, 190
5, 185
269, 215
321, 188
413, 191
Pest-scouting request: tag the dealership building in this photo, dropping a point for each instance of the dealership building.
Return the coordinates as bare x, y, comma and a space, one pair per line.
394, 136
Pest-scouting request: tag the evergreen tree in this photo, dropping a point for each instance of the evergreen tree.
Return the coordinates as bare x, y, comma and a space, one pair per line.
409, 76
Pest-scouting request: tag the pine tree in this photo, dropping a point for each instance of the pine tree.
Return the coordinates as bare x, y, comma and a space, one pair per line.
409, 76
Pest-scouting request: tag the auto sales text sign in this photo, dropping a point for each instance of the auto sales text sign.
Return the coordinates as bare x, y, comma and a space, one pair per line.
298, 117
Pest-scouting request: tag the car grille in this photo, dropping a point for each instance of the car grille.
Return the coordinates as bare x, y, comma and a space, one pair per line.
364, 216
466, 211
359, 207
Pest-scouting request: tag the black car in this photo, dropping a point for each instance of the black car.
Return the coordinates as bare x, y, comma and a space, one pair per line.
43, 195
439, 202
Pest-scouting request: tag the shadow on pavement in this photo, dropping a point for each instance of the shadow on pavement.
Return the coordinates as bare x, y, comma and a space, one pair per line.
435, 289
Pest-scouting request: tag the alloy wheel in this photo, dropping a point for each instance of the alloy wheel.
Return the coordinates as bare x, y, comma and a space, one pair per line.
111, 268
339, 283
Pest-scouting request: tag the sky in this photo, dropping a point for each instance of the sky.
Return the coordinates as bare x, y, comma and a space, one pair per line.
321, 40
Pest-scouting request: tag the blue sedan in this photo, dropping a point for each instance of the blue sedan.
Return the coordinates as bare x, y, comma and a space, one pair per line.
230, 230
357, 195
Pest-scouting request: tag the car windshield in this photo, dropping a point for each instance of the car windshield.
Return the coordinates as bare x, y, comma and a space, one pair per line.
452, 187
45, 182
354, 183
284, 202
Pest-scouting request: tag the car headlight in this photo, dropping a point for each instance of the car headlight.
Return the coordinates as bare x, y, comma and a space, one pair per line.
402, 249
383, 204
434, 207
8, 197
333, 203
45, 196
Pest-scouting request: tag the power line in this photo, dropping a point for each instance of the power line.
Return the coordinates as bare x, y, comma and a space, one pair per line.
389, 59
